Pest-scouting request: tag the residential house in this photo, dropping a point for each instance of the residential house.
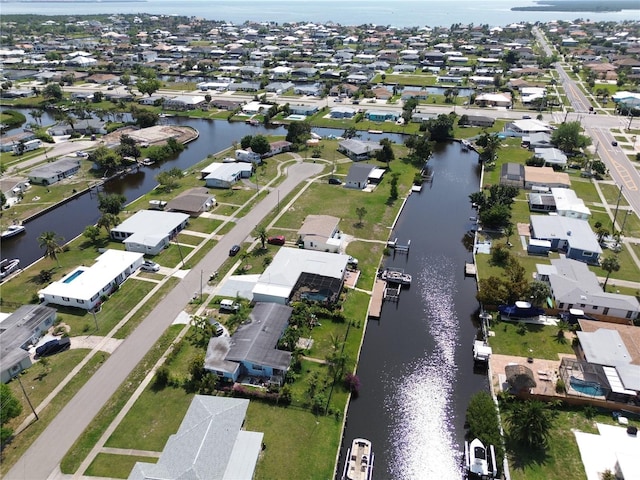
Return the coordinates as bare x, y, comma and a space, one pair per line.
544, 178
563, 201
342, 112
480, 121
296, 274
277, 147
192, 202
85, 286
358, 150
552, 157
358, 176
536, 140
494, 100
225, 175
20, 330
570, 235
512, 174
84, 126
248, 156
8, 142
306, 110
149, 231
184, 102
209, 445
252, 351
526, 127
381, 116
320, 232
50, 173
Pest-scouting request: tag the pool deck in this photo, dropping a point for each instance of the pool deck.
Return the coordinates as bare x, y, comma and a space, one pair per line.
544, 371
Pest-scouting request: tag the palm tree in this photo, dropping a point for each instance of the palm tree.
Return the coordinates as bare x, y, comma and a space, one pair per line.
261, 233
610, 264
530, 423
50, 241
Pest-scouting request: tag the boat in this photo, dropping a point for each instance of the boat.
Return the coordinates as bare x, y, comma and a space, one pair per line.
7, 267
481, 352
12, 231
359, 462
375, 132
147, 161
480, 461
396, 276
520, 310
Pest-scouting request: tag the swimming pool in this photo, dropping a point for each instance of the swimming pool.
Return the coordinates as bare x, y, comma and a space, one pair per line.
73, 276
588, 388
296, 117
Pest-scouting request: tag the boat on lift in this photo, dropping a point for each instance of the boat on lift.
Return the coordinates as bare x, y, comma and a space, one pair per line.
7, 267
359, 462
480, 460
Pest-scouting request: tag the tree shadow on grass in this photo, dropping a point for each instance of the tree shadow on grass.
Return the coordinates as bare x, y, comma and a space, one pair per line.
522, 457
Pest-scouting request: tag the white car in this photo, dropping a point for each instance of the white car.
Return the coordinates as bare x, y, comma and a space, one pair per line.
82, 154
149, 266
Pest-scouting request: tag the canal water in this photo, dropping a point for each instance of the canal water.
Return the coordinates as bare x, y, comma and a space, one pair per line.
416, 365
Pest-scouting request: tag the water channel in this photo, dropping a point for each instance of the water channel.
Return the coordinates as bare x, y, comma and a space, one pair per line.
416, 365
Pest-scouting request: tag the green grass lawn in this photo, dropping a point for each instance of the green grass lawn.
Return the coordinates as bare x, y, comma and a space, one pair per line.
115, 466
561, 460
40, 386
368, 255
203, 225
611, 194
285, 431
585, 190
539, 341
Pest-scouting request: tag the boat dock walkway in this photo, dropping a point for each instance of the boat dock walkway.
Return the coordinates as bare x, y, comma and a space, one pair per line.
470, 269
375, 306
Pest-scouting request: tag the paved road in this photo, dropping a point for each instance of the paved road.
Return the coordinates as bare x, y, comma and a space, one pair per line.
45, 454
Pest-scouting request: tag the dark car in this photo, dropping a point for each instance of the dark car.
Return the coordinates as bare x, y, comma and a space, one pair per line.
52, 347
277, 240
614, 143
234, 250
335, 181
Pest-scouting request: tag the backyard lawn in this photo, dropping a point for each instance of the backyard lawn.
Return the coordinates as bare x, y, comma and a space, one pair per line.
539, 341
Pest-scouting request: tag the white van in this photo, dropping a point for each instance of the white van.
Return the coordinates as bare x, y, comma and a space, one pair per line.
229, 305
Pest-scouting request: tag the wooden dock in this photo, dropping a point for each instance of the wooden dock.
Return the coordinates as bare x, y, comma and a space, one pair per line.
470, 269
375, 306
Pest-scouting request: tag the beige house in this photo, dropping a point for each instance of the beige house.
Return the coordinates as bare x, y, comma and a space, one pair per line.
320, 232
537, 178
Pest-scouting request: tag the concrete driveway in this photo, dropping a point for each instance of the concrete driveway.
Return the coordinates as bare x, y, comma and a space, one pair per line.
43, 457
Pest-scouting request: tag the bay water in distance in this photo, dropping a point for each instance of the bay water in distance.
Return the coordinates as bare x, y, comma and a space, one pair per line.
397, 13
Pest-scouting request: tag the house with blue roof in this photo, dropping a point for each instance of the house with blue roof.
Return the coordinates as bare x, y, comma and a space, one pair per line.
573, 236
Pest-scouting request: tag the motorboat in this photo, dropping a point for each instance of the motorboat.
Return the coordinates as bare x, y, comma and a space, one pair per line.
480, 461
7, 267
396, 276
359, 462
481, 352
520, 310
12, 231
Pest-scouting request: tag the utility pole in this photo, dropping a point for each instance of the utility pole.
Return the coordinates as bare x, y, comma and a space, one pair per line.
615, 215
201, 272
27, 397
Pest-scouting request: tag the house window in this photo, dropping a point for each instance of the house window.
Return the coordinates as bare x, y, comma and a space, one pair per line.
587, 254
66, 299
582, 305
561, 305
570, 306
605, 311
595, 307
257, 367
95, 297
80, 301
628, 314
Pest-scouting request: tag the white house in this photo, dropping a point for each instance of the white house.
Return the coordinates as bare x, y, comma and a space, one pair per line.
149, 231
248, 156
28, 146
320, 232
321, 272
84, 287
225, 175
568, 204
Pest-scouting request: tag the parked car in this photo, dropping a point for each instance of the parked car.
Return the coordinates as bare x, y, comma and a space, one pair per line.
149, 266
335, 181
81, 154
277, 240
614, 143
217, 328
352, 262
53, 346
234, 250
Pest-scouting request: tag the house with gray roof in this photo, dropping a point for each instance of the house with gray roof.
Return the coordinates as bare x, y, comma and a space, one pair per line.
192, 202
253, 349
209, 445
512, 174
358, 150
18, 331
358, 176
570, 235
149, 231
50, 173
573, 285
552, 157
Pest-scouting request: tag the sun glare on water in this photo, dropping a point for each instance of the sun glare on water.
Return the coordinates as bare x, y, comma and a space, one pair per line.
420, 405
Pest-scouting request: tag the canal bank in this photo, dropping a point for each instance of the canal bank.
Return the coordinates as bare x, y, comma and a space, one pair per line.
416, 363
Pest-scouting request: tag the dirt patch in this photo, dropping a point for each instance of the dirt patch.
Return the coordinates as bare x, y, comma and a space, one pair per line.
156, 135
